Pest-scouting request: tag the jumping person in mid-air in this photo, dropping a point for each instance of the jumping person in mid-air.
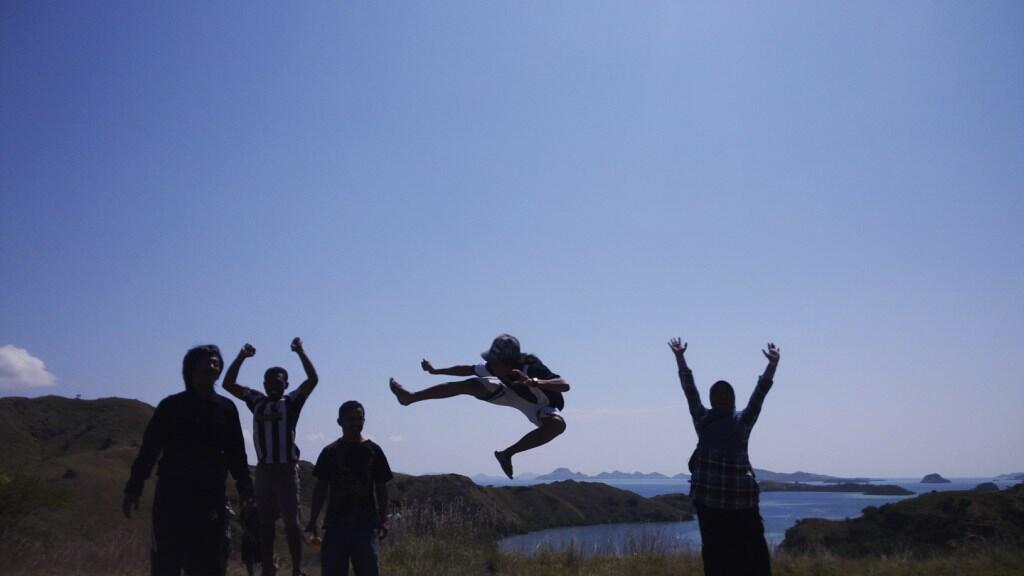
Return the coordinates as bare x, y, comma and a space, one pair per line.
722, 484
507, 378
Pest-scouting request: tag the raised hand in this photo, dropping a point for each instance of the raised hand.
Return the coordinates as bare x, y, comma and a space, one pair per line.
247, 351
297, 344
772, 354
428, 367
678, 346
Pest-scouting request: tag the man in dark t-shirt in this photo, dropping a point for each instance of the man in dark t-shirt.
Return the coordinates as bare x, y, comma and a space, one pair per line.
352, 475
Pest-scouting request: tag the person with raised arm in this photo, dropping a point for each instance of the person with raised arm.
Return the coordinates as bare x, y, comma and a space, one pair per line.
274, 417
722, 484
507, 378
197, 437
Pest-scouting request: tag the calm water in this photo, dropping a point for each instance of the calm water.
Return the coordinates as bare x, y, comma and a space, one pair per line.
780, 511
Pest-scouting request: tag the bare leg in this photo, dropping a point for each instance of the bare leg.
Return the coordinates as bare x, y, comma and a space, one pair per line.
471, 387
550, 427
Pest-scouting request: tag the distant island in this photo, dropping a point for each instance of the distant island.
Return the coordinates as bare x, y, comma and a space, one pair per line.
1017, 476
867, 489
559, 474
798, 476
934, 479
567, 474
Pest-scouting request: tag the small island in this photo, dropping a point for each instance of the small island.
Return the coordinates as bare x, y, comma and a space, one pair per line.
866, 489
934, 479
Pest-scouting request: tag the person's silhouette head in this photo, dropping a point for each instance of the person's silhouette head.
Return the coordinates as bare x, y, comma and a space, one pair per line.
504, 355
722, 396
351, 418
275, 381
201, 367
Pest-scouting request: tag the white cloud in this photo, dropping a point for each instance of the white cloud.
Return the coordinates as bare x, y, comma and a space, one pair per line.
397, 439
19, 369
314, 436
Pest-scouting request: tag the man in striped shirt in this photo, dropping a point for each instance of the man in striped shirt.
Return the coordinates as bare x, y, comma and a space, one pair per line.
274, 416
722, 484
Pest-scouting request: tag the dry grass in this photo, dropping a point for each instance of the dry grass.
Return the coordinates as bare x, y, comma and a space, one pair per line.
433, 540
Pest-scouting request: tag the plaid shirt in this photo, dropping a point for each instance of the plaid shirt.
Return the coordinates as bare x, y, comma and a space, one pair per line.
721, 474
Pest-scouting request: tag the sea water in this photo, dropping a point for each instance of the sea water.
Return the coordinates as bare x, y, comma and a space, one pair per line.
780, 511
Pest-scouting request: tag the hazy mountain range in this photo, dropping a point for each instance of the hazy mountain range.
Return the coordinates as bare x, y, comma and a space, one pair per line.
567, 474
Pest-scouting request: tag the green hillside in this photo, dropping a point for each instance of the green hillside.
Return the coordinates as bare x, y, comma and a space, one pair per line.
518, 509
38, 429
938, 522
80, 452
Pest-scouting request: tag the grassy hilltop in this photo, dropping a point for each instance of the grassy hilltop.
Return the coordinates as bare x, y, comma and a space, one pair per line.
63, 464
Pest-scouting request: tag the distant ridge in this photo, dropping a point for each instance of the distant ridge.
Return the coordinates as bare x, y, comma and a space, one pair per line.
567, 474
762, 475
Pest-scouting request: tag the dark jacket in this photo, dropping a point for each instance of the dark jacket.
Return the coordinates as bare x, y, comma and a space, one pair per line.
198, 441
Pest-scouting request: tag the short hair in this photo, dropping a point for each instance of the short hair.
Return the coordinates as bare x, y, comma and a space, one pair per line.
194, 356
349, 406
275, 370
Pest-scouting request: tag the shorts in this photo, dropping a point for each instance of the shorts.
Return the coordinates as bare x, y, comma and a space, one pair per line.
500, 394
277, 493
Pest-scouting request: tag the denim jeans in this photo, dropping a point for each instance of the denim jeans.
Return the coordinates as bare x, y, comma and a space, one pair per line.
349, 539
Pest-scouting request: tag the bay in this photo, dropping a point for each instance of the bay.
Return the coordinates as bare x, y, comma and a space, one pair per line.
780, 511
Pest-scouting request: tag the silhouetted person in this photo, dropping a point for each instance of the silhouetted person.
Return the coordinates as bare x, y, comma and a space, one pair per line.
507, 378
198, 439
722, 484
274, 416
351, 475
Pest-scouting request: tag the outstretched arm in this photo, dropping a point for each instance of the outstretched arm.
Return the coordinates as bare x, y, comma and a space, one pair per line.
230, 377
697, 409
764, 384
311, 377
459, 370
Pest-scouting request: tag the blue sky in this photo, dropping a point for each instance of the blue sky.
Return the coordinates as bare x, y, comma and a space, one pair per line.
393, 181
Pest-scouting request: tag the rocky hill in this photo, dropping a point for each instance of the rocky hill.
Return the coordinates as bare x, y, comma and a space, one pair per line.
518, 509
936, 522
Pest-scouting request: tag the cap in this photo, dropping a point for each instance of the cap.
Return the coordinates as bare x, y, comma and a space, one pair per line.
504, 347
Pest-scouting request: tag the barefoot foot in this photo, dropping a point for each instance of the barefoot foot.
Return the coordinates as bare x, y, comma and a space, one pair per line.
505, 461
403, 395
